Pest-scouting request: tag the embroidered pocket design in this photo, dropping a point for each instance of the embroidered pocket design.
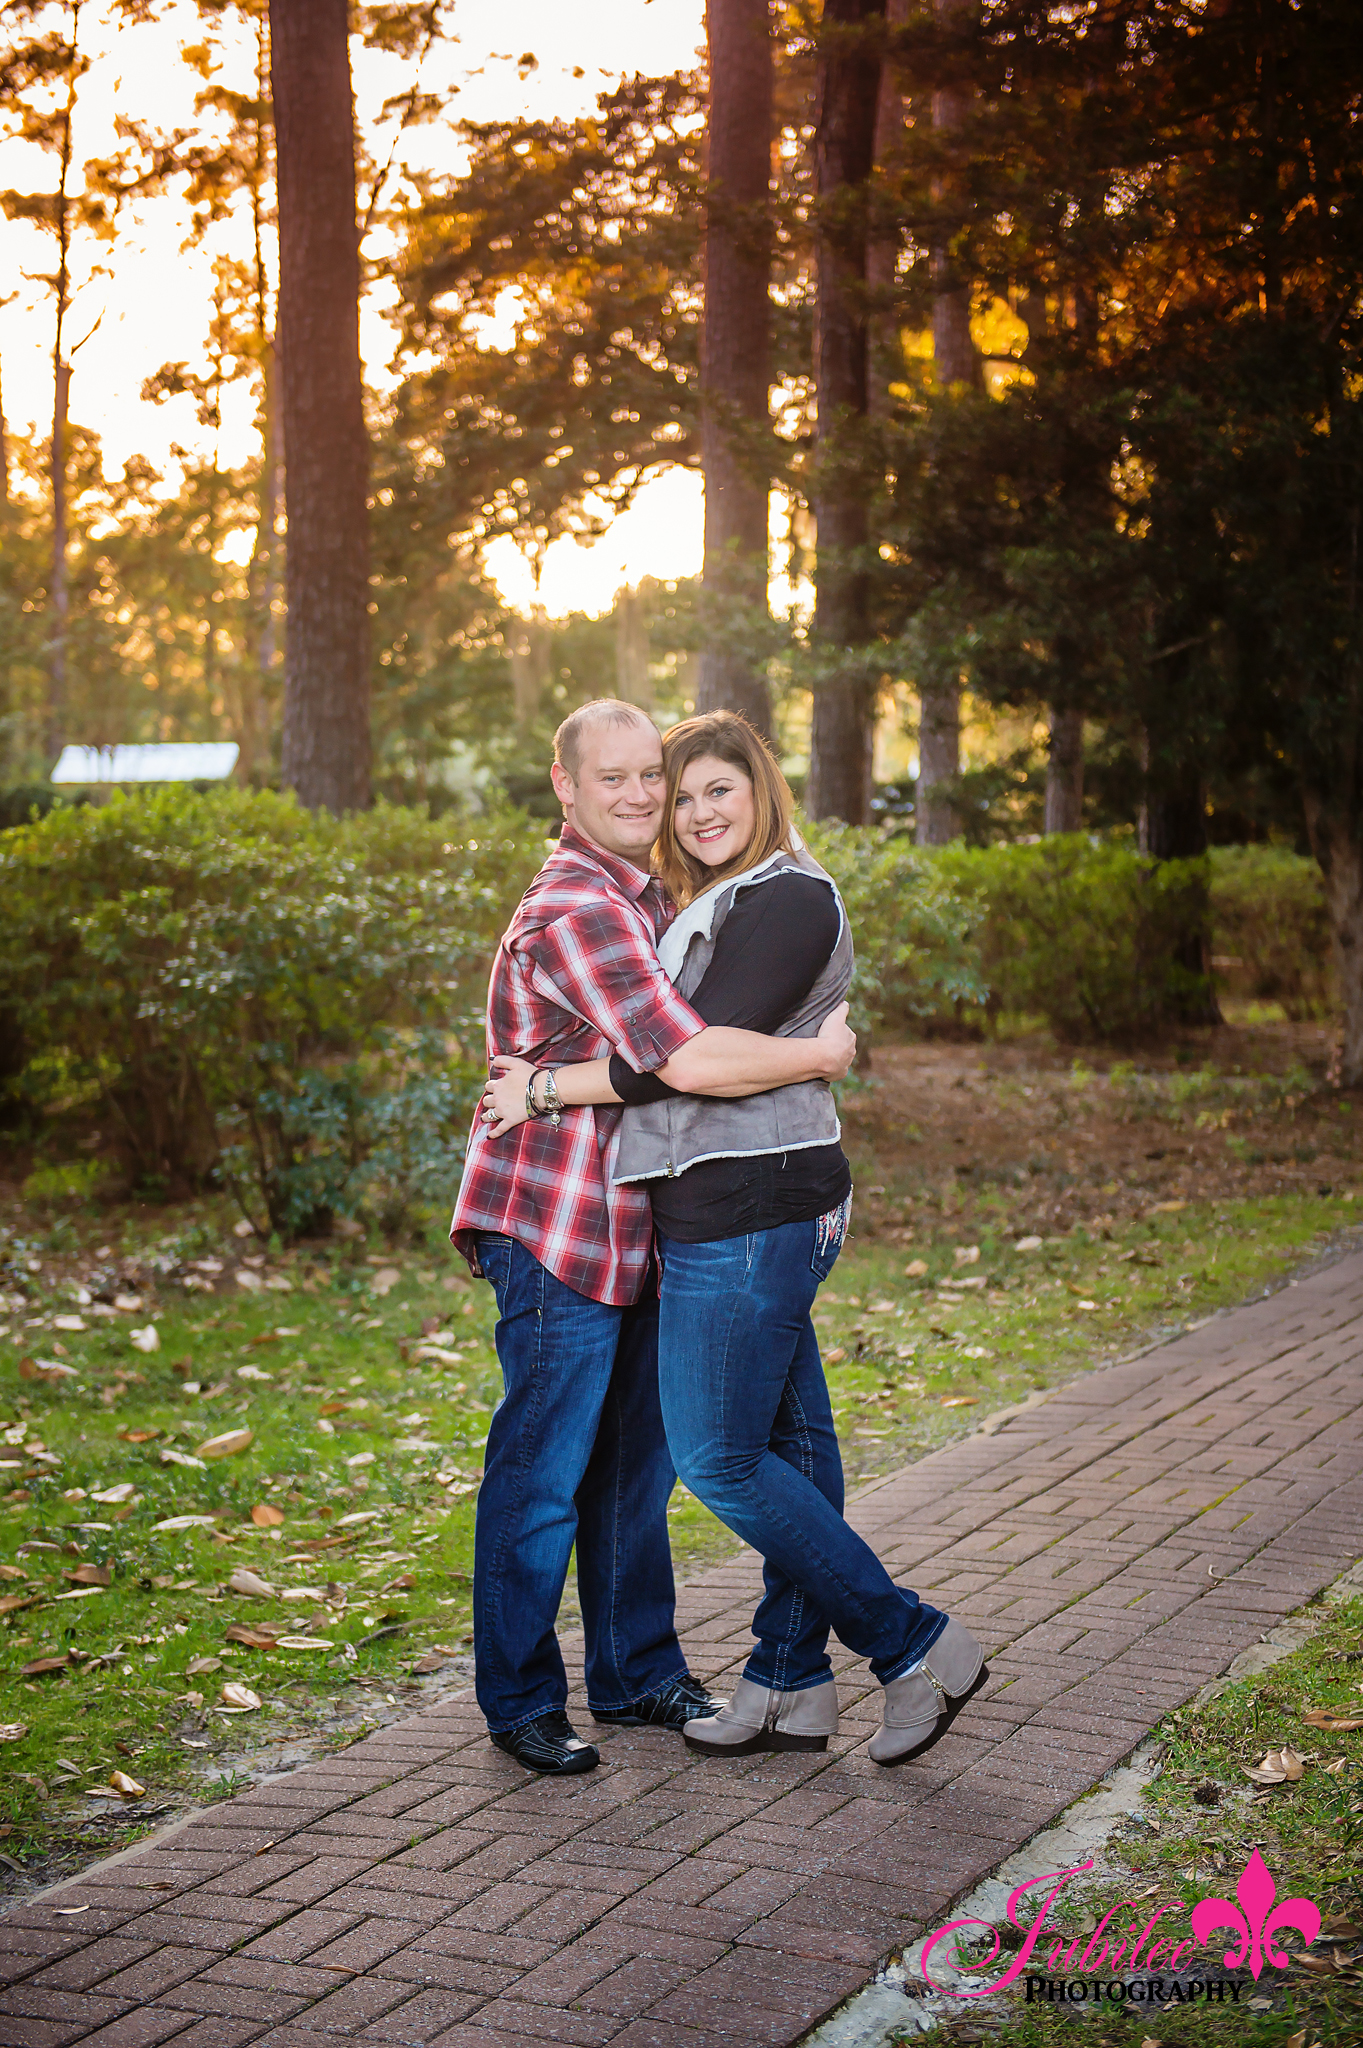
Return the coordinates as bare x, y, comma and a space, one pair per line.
829, 1232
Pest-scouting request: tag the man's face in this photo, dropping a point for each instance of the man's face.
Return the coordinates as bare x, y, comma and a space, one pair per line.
617, 799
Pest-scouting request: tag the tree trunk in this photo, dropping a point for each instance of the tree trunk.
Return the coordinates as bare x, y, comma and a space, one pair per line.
1065, 772
939, 760
60, 598
262, 578
846, 104
1335, 841
882, 256
326, 755
632, 681
735, 351
957, 364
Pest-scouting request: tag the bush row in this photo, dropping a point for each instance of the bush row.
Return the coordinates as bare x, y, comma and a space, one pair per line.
289, 1005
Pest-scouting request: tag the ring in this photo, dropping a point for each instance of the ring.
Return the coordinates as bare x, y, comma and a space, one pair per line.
492, 1116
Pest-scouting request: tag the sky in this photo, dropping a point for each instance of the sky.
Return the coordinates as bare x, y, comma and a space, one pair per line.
151, 307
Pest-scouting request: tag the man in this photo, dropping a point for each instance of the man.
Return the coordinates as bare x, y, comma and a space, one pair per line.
576, 1451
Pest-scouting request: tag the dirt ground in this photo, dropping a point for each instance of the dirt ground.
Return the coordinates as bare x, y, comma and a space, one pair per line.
1040, 1140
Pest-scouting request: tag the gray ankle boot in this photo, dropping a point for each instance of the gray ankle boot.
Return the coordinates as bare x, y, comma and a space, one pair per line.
758, 1718
922, 1704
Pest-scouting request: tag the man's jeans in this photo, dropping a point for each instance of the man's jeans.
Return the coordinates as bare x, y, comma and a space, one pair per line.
576, 1451
751, 1431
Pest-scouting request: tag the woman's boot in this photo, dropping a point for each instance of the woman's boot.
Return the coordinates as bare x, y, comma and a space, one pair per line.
758, 1718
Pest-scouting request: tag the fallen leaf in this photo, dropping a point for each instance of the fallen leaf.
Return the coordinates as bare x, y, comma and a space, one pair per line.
15, 1601
227, 1445
126, 1787
385, 1280
169, 1457
333, 1408
303, 1643
402, 1584
916, 1269
11, 1571
146, 1340
139, 1436
244, 1277
250, 1583
244, 1229
176, 1522
90, 1575
967, 1254
253, 1638
67, 1911
266, 1517
13, 1731
434, 1660
241, 1697
40, 1666
114, 1496
197, 1665
1165, 1208
961, 1401
69, 1323
129, 1303
44, 1369
1335, 1724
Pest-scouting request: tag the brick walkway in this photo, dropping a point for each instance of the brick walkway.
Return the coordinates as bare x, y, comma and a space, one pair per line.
1115, 1548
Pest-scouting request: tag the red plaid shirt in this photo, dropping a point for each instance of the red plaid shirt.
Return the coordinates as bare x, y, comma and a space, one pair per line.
576, 977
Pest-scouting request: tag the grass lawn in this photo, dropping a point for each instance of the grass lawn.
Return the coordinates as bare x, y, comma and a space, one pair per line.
350, 1384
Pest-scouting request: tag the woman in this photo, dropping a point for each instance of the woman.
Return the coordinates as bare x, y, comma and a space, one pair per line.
751, 1198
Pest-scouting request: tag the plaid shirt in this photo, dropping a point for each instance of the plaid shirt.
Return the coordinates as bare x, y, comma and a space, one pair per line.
576, 977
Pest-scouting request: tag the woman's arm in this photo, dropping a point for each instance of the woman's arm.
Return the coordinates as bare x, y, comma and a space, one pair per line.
718, 1061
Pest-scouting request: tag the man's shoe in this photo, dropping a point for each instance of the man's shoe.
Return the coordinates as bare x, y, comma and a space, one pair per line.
758, 1718
922, 1704
671, 1706
549, 1746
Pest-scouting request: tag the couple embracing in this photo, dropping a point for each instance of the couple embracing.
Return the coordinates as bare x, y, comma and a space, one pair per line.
656, 1189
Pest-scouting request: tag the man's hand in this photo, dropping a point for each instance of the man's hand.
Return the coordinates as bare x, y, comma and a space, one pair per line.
838, 1043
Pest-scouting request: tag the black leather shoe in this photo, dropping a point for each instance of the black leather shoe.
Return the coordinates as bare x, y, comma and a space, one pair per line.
671, 1706
549, 1746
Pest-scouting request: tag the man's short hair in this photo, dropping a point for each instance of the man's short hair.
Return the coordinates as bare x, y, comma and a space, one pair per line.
575, 727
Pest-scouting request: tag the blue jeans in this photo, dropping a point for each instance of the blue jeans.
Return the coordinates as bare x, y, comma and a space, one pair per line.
751, 1432
576, 1452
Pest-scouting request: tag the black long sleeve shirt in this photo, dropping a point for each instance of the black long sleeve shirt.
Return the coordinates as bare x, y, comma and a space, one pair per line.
769, 952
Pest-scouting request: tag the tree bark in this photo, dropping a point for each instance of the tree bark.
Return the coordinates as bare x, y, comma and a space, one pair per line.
735, 358
882, 256
326, 752
957, 364
1065, 772
60, 596
846, 105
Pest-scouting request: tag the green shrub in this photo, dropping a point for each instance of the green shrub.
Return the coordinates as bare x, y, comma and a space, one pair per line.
913, 926
285, 1002
1085, 935
1271, 928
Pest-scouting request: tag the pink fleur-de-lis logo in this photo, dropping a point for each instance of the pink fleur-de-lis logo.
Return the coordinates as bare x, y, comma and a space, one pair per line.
1259, 1919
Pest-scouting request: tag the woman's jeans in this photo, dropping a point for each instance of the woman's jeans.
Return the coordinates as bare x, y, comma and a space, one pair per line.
576, 1453
751, 1432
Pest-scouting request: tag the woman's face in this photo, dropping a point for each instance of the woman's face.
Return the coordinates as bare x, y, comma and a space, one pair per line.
713, 812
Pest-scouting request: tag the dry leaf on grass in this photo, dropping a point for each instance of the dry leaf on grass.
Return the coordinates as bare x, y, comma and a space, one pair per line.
266, 1517
1334, 1724
250, 1583
197, 1665
90, 1575
40, 1666
13, 1731
304, 1643
12, 1602
126, 1787
1277, 1767
961, 1401
178, 1522
253, 1638
148, 1339
241, 1697
139, 1436
227, 1445
434, 1660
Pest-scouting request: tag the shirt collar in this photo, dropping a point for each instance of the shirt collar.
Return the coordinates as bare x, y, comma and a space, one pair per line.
633, 881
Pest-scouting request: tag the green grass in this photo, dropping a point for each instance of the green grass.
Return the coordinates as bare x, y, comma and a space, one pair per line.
347, 1419
1199, 1822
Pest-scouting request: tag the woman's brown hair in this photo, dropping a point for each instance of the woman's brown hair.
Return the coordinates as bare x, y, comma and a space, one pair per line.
731, 739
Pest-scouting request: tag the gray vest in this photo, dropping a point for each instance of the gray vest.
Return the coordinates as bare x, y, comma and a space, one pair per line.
660, 1139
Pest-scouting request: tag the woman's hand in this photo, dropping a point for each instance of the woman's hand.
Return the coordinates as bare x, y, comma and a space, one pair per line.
838, 1043
504, 1096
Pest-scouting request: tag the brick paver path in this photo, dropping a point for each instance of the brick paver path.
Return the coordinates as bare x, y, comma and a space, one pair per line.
1115, 1548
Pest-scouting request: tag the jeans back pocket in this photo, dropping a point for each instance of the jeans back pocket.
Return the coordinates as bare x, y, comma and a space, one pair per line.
830, 1231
